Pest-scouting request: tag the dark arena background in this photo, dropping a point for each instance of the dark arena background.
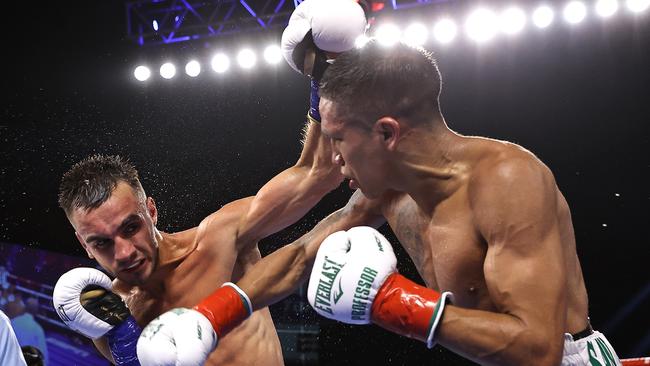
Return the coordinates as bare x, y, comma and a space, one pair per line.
575, 92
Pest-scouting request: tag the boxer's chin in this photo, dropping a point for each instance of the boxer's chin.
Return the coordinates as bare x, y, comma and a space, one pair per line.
353, 184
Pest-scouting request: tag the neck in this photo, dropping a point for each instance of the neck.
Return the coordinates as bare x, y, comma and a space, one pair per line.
427, 163
156, 282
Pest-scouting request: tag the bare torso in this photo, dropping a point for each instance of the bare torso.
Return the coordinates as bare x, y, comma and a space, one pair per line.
195, 275
449, 251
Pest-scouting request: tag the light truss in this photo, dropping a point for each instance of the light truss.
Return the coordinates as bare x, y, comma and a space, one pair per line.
151, 22
154, 22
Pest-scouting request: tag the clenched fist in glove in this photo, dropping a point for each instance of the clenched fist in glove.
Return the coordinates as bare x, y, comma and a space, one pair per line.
318, 30
83, 299
354, 280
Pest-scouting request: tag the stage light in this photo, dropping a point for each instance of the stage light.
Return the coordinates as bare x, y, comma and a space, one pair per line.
272, 54
512, 20
142, 73
361, 41
481, 25
606, 8
637, 6
246, 58
193, 68
154, 24
575, 12
416, 34
388, 34
543, 17
445, 31
220, 63
167, 70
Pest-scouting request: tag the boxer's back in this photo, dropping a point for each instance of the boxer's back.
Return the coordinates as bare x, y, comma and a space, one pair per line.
450, 252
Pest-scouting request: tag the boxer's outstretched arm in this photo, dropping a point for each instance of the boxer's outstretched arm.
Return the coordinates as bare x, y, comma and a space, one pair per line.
278, 275
516, 212
269, 280
292, 193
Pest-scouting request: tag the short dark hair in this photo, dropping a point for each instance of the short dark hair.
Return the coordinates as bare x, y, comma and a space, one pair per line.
90, 182
374, 81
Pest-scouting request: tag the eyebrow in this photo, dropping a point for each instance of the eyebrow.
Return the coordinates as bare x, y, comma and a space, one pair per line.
128, 220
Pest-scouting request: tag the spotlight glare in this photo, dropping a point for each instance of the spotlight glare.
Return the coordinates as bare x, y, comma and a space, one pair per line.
154, 24
481, 25
638, 5
220, 63
167, 70
193, 68
246, 58
512, 20
575, 12
388, 34
543, 16
416, 34
361, 41
445, 30
142, 73
606, 8
272, 54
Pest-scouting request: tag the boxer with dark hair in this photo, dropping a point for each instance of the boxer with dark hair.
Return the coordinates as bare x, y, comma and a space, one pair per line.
483, 221
159, 272
115, 222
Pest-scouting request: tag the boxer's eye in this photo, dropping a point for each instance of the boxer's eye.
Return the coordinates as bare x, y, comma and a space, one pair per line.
131, 229
100, 243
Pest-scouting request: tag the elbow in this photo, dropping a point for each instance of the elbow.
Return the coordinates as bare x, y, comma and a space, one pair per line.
526, 347
540, 350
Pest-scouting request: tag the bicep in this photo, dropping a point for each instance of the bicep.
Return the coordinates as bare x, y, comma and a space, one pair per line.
524, 266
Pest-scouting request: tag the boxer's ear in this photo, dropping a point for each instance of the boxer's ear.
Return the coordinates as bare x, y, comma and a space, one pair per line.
84, 245
153, 211
390, 129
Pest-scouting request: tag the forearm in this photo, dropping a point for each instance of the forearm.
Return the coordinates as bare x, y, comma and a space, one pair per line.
277, 275
293, 192
490, 338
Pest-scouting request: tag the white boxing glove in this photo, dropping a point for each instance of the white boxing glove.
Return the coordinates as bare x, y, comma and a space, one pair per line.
333, 25
66, 299
355, 281
178, 337
349, 269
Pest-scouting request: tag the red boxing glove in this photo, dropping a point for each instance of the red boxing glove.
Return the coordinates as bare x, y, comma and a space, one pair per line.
406, 308
225, 308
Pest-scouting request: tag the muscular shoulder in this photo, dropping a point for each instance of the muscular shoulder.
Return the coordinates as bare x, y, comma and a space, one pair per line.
222, 223
511, 186
505, 166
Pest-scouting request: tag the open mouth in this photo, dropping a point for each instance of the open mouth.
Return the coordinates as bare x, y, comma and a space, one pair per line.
134, 267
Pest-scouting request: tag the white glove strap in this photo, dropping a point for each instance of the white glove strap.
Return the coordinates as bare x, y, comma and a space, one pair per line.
245, 299
437, 315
